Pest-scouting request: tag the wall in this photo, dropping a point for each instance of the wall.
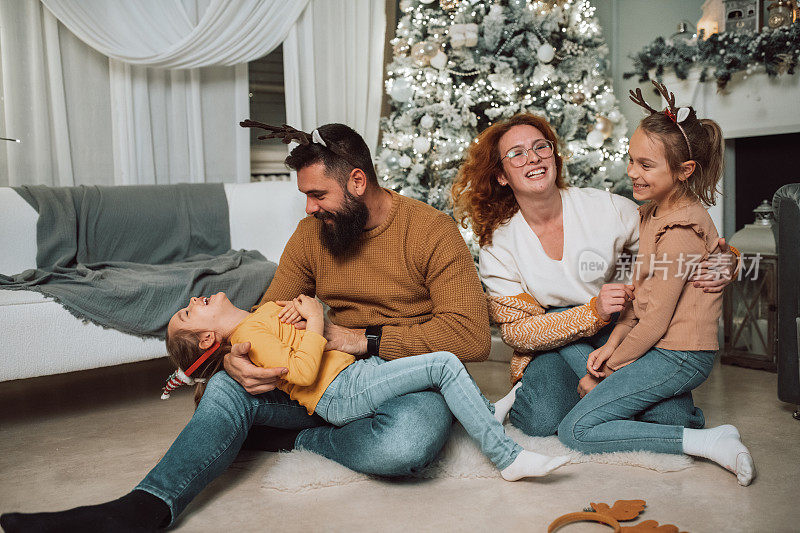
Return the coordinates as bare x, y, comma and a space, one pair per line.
629, 25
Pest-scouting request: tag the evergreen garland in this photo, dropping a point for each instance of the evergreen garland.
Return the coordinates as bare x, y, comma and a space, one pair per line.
721, 55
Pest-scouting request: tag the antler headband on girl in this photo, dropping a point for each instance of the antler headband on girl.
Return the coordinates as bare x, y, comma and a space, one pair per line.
288, 134
179, 377
676, 115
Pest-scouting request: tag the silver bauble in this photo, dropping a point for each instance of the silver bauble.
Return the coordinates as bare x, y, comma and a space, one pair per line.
546, 53
595, 139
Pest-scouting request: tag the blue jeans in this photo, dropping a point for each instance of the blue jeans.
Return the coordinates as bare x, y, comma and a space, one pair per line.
550, 390
404, 435
602, 421
362, 387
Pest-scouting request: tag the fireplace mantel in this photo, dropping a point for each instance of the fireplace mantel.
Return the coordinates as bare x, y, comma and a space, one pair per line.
749, 106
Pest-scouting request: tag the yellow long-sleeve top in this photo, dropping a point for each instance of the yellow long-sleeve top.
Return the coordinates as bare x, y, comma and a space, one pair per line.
275, 344
668, 312
413, 275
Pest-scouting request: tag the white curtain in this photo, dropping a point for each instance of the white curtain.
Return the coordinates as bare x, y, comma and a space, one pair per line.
179, 125
127, 122
60, 114
333, 66
163, 33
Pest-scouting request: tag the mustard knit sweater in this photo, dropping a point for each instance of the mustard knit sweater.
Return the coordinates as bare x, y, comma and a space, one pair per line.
413, 275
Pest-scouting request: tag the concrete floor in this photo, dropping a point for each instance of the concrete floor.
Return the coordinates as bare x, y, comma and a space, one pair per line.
90, 436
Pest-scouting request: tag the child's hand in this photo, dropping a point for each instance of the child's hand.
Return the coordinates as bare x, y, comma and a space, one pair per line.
289, 314
586, 384
596, 360
309, 307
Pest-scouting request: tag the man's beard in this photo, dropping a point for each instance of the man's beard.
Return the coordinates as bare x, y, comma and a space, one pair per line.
345, 227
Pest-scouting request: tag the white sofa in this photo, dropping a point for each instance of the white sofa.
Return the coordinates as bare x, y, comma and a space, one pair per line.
40, 337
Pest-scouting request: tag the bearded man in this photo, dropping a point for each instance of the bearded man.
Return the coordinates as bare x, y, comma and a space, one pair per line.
399, 281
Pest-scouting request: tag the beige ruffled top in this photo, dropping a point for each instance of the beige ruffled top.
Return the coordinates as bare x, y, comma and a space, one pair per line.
668, 312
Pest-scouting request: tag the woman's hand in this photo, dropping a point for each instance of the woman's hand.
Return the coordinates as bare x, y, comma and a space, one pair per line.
596, 360
612, 299
716, 272
586, 384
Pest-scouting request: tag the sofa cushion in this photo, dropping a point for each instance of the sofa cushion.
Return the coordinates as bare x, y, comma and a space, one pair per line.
47, 339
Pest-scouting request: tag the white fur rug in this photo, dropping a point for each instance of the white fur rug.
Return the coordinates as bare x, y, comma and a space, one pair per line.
301, 470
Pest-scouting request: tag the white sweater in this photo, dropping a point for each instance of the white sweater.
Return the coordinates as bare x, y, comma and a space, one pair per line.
598, 226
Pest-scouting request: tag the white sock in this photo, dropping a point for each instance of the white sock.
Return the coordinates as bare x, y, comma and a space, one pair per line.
532, 464
503, 405
722, 445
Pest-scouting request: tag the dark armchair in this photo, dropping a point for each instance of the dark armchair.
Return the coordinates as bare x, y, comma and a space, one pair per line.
786, 204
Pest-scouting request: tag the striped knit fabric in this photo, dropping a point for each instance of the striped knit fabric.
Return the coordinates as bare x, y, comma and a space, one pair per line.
526, 327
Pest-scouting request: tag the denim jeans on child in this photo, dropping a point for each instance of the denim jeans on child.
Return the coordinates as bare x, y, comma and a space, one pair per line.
603, 420
363, 386
550, 390
405, 434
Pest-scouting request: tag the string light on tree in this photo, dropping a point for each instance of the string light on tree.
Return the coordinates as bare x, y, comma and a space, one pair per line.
460, 65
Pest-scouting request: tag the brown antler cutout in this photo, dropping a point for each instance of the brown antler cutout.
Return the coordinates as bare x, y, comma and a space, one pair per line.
285, 133
668, 96
639, 100
622, 509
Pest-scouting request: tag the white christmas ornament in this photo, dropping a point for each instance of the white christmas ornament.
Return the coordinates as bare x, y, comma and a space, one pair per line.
422, 144
605, 101
402, 90
546, 53
501, 82
463, 35
439, 61
425, 1
614, 115
595, 139
405, 161
426, 122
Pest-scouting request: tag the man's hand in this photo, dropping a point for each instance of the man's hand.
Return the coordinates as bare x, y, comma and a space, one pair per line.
586, 384
716, 272
612, 299
352, 341
254, 379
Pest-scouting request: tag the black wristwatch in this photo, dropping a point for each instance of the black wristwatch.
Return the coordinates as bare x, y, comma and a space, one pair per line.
373, 334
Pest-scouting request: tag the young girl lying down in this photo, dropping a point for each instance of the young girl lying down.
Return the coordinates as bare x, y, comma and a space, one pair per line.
334, 384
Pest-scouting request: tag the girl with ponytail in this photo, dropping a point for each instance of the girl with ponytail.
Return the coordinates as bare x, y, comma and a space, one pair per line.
665, 340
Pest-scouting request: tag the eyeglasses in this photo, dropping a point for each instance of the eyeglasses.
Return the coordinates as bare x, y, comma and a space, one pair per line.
518, 156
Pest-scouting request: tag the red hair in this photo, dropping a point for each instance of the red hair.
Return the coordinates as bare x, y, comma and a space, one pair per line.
477, 198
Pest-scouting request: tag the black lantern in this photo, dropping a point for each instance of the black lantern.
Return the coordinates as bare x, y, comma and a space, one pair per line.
750, 304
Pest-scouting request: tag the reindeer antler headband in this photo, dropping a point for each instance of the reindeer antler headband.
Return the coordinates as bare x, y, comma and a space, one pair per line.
676, 115
289, 134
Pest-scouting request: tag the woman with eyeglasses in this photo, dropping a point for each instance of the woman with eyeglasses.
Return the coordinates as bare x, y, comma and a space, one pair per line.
555, 261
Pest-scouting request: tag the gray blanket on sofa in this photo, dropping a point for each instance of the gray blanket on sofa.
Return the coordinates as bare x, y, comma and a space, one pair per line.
128, 257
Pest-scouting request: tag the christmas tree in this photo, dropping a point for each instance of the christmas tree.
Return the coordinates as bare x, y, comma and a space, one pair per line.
459, 65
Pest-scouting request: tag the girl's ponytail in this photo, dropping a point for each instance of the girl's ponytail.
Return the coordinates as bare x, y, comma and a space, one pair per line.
706, 185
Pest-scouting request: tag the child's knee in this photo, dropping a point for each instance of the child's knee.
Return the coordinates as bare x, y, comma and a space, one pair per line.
572, 433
